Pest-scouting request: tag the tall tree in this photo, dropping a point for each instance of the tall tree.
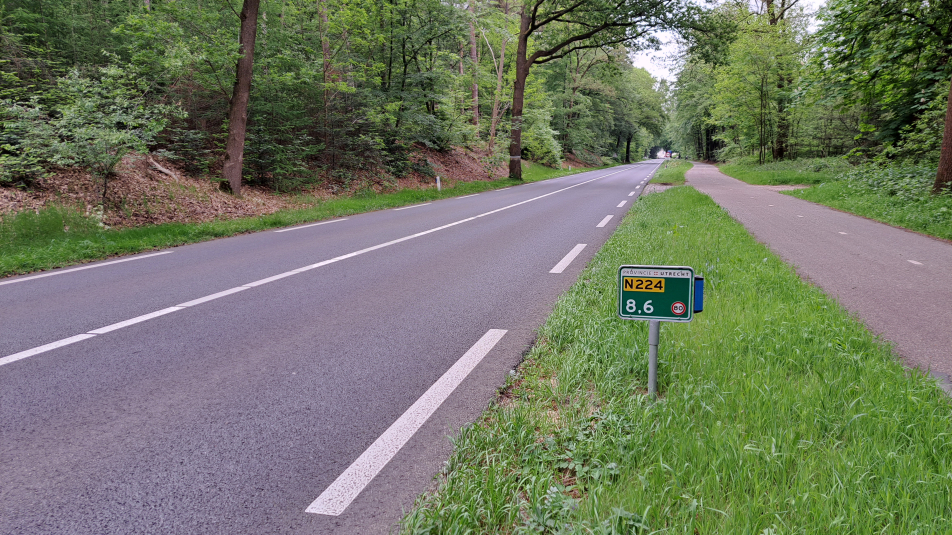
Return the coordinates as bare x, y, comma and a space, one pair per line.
577, 25
893, 57
474, 61
238, 107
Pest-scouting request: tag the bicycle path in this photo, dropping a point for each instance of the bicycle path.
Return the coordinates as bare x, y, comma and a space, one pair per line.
898, 282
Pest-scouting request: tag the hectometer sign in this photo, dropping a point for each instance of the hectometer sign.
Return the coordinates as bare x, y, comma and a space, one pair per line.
662, 293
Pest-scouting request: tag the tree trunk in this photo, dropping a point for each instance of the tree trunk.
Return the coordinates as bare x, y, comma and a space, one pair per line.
475, 61
628, 150
500, 72
943, 179
518, 94
238, 107
783, 121
326, 74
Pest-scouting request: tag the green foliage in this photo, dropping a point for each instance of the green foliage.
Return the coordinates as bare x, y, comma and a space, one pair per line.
189, 148
104, 119
25, 143
339, 85
538, 138
890, 57
752, 89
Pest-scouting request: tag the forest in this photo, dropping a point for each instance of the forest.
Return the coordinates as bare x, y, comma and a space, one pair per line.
863, 79
328, 92
337, 85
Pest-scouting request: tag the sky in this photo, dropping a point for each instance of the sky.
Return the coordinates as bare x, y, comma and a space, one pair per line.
662, 63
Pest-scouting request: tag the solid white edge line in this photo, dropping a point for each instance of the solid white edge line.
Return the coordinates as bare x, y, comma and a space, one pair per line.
313, 225
567, 259
604, 221
42, 349
622, 203
24, 279
467, 196
108, 328
133, 321
212, 297
414, 206
335, 498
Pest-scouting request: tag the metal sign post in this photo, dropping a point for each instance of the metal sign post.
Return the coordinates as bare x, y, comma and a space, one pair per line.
654, 334
656, 294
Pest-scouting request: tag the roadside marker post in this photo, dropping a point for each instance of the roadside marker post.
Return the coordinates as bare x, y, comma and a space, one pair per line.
655, 294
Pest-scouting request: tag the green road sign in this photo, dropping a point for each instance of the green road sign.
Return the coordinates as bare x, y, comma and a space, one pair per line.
662, 293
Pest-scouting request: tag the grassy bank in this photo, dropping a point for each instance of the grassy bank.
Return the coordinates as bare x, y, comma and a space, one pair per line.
58, 237
801, 171
779, 413
898, 195
672, 172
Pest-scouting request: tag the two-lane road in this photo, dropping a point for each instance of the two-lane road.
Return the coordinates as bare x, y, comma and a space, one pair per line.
302, 380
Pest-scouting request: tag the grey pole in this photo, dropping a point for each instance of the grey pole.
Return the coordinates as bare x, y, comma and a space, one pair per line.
654, 334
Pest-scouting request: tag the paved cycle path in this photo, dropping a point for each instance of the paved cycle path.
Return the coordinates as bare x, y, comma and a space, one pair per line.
899, 283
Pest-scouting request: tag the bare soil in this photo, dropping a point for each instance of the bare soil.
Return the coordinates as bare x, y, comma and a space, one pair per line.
140, 194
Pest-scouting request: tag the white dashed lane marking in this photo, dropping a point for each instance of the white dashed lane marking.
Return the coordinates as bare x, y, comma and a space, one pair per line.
564, 263
335, 499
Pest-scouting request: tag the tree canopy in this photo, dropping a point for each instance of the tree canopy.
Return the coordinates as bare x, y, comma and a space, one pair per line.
336, 85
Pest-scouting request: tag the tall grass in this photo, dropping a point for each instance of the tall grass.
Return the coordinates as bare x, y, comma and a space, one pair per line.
59, 236
778, 414
672, 172
786, 172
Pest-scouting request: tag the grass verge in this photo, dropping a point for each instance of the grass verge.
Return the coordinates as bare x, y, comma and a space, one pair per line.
898, 195
672, 172
779, 413
58, 237
801, 171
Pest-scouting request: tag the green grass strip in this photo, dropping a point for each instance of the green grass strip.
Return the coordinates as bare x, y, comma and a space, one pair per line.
57, 237
773, 175
672, 172
779, 413
930, 215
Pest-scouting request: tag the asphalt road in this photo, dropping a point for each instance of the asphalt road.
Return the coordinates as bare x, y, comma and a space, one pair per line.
231, 386
898, 282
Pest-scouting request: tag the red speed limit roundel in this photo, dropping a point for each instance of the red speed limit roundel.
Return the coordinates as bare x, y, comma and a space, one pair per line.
678, 308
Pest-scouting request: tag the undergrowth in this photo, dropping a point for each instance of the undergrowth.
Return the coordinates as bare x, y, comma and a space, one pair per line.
778, 412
